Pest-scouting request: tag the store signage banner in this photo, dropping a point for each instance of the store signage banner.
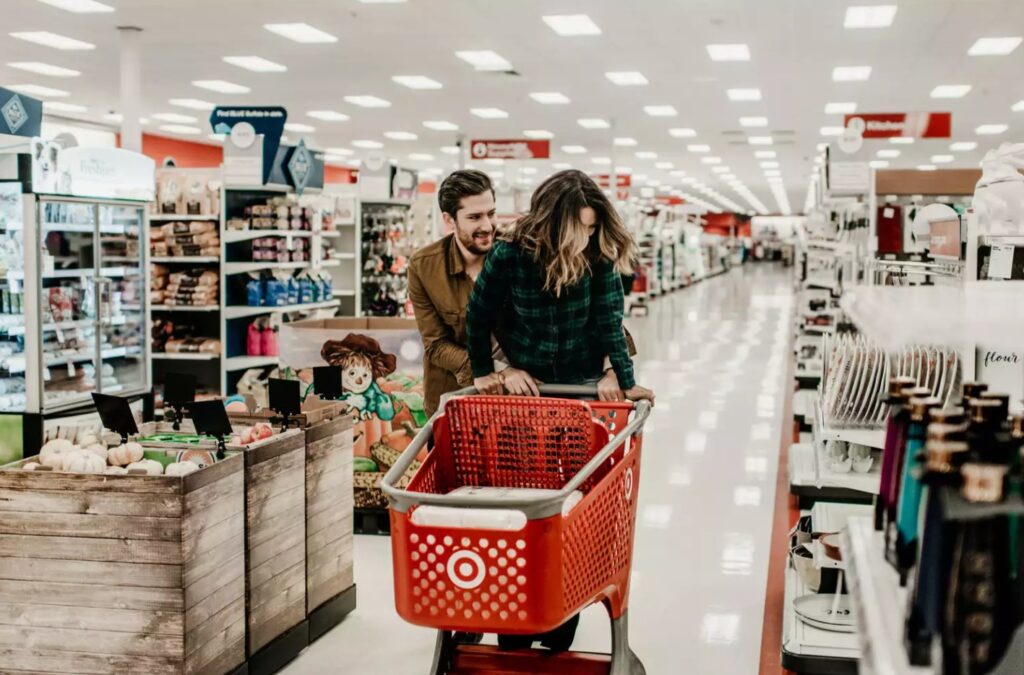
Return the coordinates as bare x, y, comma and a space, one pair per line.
244, 124
526, 148
304, 167
849, 178
621, 180
895, 125
20, 115
110, 173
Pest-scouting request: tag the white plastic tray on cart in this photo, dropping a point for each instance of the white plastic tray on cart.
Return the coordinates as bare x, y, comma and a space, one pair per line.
873, 438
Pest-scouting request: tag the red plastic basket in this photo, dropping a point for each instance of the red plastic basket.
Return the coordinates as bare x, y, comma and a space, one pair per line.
532, 579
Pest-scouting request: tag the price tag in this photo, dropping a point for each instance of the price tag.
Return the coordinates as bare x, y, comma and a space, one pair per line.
327, 382
1000, 262
888, 213
47, 375
59, 332
284, 397
71, 368
210, 418
179, 390
116, 414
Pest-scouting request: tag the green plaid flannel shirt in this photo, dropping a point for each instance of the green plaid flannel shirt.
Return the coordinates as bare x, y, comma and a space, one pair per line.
559, 340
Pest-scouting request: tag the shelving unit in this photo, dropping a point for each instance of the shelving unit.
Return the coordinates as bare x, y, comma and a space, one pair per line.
169, 356
873, 438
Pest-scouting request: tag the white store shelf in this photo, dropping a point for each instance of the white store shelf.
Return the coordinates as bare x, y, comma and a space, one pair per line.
803, 641
829, 517
185, 308
873, 438
186, 259
244, 311
173, 217
246, 267
168, 356
236, 363
235, 236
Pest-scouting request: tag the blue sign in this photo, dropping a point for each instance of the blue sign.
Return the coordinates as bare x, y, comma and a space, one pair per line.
266, 121
300, 166
20, 115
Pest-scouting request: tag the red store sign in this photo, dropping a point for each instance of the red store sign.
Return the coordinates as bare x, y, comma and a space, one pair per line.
510, 149
909, 125
605, 181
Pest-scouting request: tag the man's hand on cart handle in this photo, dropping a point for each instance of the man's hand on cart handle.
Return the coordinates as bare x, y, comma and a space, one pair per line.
608, 387
490, 385
638, 393
519, 382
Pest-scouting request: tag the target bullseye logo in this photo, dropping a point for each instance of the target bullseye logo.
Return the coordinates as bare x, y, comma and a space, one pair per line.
479, 150
466, 569
629, 484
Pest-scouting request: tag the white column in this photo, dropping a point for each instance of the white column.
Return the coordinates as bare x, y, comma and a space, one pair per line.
131, 87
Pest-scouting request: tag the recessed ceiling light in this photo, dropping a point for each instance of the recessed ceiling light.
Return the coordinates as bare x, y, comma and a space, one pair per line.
549, 97
561, 166
748, 94
1018, 106
963, 146
38, 90
822, 147
720, 169
770, 164
765, 154
364, 101
601, 160
221, 86
220, 138
660, 110
48, 39
753, 121
174, 117
451, 149
342, 152
485, 60
256, 64
60, 106
79, 6
736, 52
994, 46
951, 91
192, 103
851, 73
902, 140
646, 154
571, 25
441, 125
421, 157
664, 165
368, 145
573, 149
593, 123
682, 132
879, 164
299, 128
990, 129
180, 129
328, 115
760, 140
529, 170
489, 113
711, 160
417, 82
926, 167
678, 173
494, 161
772, 173
840, 108
300, 32
872, 16
627, 78
400, 135
538, 134
625, 142
889, 154
335, 158
44, 69
699, 148
942, 159
831, 131
624, 170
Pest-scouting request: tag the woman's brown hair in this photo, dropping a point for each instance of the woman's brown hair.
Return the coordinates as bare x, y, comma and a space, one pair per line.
556, 237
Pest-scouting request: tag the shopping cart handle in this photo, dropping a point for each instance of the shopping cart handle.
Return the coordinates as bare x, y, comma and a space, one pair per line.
545, 390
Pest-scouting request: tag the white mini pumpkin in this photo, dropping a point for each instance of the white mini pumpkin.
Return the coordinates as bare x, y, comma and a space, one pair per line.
83, 461
124, 454
115, 471
54, 458
181, 468
56, 445
97, 449
150, 466
87, 438
30, 466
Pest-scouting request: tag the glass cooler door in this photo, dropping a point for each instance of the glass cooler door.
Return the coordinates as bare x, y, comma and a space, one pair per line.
13, 396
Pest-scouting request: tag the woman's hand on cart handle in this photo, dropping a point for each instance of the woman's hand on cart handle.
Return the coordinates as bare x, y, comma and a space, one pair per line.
490, 385
608, 387
638, 393
519, 382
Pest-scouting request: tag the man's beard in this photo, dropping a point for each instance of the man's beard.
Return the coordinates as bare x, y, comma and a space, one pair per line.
470, 243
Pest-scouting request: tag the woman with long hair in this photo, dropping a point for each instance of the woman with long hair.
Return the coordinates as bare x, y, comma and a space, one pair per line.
554, 281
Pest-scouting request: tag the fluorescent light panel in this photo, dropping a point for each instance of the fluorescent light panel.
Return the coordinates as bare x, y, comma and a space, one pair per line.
573, 149
748, 94
711, 160
79, 6
485, 60
699, 148
963, 146
221, 86
1018, 106
840, 108
53, 40
733, 52
417, 82
927, 167
831, 131
299, 128
646, 154
192, 103
752, 122
549, 97
421, 157
625, 142
902, 140
951, 91
256, 64
300, 32
181, 129
341, 152
765, 154
367, 144
489, 113
60, 106
990, 129
44, 69
660, 110
538, 133
942, 159
627, 78
760, 140
365, 101
441, 125
328, 115
851, 73
572, 25
400, 135
879, 164
682, 132
870, 16
38, 90
889, 154
994, 46
174, 117
601, 160
593, 123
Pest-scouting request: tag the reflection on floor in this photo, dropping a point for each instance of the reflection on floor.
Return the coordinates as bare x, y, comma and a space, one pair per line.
716, 355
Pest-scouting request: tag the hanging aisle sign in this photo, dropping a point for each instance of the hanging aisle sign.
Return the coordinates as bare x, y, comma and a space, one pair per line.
254, 136
20, 115
111, 173
906, 125
526, 148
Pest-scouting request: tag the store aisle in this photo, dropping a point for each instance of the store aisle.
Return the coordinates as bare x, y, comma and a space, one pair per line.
716, 355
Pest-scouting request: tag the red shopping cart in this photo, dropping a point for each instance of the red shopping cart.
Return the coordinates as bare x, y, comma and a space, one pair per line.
521, 516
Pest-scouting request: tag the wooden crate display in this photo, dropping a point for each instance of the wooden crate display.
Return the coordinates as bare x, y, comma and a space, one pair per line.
122, 573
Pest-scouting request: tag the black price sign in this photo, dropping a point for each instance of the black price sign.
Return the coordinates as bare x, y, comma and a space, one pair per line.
327, 382
179, 391
116, 415
211, 419
284, 398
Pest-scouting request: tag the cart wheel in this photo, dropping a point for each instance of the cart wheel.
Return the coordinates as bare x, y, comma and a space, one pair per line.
624, 660
444, 652
561, 638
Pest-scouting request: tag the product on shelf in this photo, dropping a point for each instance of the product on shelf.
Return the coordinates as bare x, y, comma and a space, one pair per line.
279, 249
387, 244
282, 288
194, 287
274, 215
185, 239
185, 192
261, 337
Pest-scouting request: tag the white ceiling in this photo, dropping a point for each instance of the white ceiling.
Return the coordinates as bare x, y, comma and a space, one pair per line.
794, 46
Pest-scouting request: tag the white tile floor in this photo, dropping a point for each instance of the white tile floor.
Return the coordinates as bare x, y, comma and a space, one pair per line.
715, 354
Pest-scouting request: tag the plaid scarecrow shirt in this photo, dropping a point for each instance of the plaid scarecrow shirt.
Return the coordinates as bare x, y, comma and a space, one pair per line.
557, 339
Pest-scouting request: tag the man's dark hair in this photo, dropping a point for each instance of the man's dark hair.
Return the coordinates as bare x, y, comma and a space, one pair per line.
459, 184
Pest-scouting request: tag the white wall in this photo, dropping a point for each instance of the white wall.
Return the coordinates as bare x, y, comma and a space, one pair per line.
784, 225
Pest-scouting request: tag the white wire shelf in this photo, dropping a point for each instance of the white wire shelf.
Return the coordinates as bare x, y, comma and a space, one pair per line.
246, 267
169, 356
244, 311
174, 217
185, 308
186, 259
873, 438
235, 236
236, 363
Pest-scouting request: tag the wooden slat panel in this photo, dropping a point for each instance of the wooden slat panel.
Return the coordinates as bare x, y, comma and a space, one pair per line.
222, 659
214, 603
54, 661
92, 618
223, 572
107, 503
332, 532
279, 563
212, 537
73, 548
274, 613
93, 641
208, 495
258, 555
339, 514
87, 526
338, 434
281, 623
211, 474
276, 585
327, 581
263, 451
271, 522
207, 563
216, 625
85, 571
90, 595
290, 467
201, 514
87, 482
